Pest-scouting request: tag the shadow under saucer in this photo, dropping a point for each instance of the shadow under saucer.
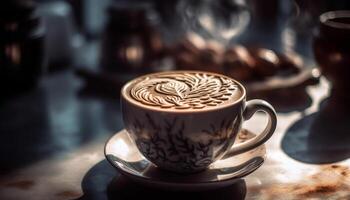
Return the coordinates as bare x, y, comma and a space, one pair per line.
96, 180
103, 182
321, 137
123, 188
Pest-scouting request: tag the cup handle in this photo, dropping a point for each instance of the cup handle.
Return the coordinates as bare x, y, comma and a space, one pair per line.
251, 108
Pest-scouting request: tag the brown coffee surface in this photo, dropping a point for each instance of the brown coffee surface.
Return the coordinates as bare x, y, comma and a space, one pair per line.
184, 90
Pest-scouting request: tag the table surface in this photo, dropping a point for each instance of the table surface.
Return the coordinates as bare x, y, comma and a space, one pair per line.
52, 141
53, 138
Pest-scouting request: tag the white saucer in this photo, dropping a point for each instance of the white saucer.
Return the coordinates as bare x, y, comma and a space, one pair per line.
123, 154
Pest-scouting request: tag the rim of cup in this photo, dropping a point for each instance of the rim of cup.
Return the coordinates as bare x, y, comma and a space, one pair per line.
328, 17
125, 89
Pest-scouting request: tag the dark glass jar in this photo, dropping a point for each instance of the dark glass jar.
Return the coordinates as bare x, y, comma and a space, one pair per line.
130, 42
21, 46
332, 48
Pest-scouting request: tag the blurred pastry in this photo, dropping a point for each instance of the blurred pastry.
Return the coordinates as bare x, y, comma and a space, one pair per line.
188, 56
265, 61
185, 60
210, 60
290, 64
236, 66
239, 62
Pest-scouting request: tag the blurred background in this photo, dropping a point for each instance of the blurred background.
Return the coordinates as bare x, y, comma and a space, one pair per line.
62, 63
107, 42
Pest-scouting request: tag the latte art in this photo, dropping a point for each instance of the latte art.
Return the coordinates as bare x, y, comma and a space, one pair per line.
184, 90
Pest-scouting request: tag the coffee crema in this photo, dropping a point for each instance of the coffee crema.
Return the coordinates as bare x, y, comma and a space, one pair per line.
184, 90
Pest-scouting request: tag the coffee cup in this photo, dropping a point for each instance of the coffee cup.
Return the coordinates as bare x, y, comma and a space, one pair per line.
182, 121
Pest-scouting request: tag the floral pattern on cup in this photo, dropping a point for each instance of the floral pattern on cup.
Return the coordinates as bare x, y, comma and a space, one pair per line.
165, 143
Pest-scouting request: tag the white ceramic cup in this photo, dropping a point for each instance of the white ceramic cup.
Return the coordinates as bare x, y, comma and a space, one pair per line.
182, 134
